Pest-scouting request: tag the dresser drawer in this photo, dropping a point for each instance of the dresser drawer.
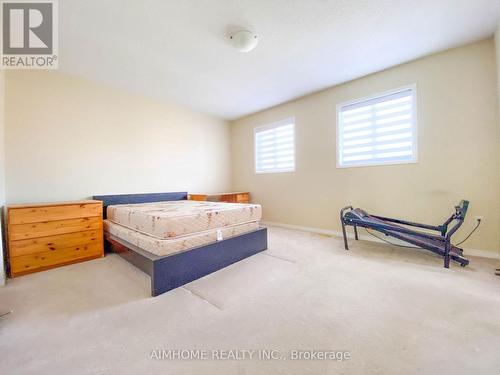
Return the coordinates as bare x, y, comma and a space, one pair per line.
53, 243
242, 198
49, 213
51, 228
236, 197
48, 259
45, 235
197, 197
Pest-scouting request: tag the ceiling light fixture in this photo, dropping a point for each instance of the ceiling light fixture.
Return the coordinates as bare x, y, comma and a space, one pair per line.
244, 40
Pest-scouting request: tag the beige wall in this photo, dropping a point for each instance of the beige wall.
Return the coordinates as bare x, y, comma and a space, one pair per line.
458, 150
68, 138
497, 49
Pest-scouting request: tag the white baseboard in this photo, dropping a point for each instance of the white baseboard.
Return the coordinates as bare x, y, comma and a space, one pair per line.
481, 253
367, 237
301, 228
328, 232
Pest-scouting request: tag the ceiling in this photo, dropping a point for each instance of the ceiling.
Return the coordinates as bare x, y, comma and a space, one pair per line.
178, 51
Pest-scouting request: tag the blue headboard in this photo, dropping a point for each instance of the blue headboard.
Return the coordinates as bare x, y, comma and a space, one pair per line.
139, 198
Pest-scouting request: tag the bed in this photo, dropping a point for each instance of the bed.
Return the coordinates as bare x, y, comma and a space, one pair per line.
176, 241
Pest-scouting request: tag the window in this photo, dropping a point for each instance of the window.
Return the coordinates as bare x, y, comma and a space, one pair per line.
275, 147
378, 130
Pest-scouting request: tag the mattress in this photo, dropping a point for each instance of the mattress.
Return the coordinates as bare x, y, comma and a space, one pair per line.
170, 246
179, 218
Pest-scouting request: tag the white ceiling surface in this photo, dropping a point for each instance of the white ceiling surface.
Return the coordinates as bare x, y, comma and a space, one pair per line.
178, 51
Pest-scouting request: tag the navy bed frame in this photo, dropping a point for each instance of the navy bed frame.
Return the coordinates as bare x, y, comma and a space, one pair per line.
171, 271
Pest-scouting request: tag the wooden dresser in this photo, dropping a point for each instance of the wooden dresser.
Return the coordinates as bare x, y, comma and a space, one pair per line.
236, 197
48, 235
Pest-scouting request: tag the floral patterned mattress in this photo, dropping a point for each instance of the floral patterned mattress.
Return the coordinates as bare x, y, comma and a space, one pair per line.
162, 247
179, 218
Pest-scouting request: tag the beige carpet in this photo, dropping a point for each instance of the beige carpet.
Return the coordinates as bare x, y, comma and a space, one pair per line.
397, 311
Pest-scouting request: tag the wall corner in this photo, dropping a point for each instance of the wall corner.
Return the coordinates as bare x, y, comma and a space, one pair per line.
2, 172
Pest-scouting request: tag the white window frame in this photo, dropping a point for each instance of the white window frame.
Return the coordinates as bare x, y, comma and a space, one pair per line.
273, 125
413, 88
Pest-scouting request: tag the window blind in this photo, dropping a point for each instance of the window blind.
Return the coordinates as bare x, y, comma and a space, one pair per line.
275, 147
380, 130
